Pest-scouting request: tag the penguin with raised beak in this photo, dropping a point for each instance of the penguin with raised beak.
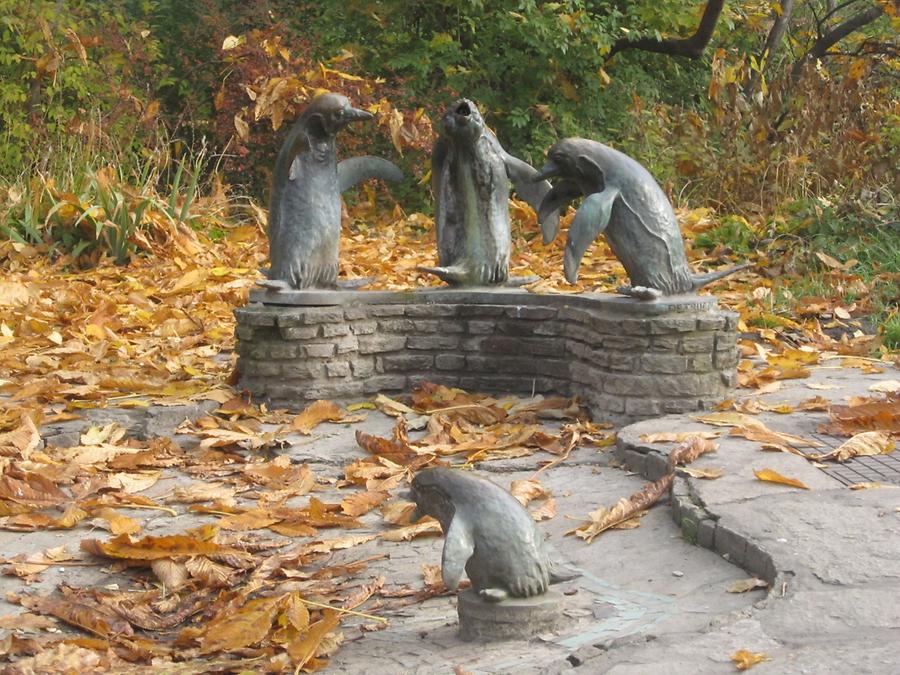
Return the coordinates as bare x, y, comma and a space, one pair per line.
305, 206
470, 177
624, 202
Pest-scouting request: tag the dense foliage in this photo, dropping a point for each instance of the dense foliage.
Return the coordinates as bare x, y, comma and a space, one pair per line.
769, 110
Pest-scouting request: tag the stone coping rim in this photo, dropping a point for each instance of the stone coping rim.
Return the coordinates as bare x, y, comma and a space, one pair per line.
481, 296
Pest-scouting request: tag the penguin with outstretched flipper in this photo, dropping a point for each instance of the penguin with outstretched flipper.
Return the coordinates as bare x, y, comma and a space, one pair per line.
470, 177
624, 202
305, 206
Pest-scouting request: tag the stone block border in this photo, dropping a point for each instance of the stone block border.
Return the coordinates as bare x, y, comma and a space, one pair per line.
696, 522
626, 359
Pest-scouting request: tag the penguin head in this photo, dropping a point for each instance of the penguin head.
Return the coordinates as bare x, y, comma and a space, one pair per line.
430, 497
329, 113
462, 121
562, 161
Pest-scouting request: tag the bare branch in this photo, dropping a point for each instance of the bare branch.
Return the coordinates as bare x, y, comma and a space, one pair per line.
835, 35
691, 47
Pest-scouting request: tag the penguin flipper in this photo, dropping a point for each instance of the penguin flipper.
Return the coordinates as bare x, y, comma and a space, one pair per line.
522, 175
458, 548
700, 280
590, 220
357, 169
554, 202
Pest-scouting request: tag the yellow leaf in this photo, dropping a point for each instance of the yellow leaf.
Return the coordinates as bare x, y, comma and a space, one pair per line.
745, 585
677, 436
710, 474
828, 261
772, 476
231, 42
744, 659
426, 526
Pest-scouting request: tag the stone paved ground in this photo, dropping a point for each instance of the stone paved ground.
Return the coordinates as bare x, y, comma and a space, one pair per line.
648, 601
833, 553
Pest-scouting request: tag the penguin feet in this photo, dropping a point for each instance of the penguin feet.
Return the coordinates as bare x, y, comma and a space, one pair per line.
276, 285
515, 282
493, 594
640, 292
353, 284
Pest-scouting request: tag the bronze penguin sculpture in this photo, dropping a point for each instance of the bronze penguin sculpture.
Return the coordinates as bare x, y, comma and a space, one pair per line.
487, 533
470, 177
305, 206
624, 202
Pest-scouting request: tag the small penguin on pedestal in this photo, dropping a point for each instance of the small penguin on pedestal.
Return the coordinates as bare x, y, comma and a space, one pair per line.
305, 206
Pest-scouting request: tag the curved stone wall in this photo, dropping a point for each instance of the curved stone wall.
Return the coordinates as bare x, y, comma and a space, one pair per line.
626, 359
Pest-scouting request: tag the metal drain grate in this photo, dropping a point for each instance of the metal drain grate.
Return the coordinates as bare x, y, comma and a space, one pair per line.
877, 469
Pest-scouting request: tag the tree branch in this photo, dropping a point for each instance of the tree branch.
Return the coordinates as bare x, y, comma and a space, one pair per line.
691, 47
835, 35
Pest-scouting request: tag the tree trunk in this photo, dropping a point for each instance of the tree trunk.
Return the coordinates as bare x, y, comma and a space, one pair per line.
773, 43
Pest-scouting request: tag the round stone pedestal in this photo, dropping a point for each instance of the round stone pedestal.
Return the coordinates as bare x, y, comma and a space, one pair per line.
512, 619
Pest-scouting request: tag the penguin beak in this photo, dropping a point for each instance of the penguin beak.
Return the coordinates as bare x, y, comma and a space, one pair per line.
549, 170
357, 115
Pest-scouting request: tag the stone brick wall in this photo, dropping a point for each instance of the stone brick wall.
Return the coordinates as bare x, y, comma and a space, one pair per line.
627, 360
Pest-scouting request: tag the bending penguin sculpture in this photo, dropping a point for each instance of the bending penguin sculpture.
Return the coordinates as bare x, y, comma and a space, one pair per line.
623, 201
470, 177
305, 207
487, 533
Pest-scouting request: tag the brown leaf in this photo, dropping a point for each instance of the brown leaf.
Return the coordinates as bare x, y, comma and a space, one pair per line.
867, 443
172, 574
232, 630
527, 490
362, 502
209, 573
25, 622
81, 615
772, 476
545, 511
22, 441
398, 512
757, 431
306, 646
329, 545
689, 450
253, 519
677, 436
625, 509
118, 523
875, 416
32, 489
316, 413
426, 526
202, 492
153, 548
